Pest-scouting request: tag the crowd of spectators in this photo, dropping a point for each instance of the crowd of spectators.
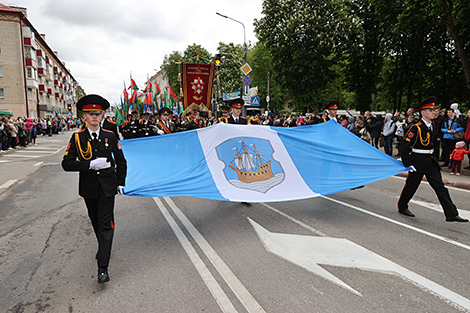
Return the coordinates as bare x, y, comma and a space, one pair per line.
16, 133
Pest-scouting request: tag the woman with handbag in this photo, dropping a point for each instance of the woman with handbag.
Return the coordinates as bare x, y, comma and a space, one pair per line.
450, 127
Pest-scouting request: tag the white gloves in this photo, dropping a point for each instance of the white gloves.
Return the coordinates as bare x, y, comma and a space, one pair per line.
99, 163
120, 190
160, 132
412, 169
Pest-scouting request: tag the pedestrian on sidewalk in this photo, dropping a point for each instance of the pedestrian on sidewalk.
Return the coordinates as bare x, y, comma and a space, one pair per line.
417, 152
457, 157
450, 127
95, 153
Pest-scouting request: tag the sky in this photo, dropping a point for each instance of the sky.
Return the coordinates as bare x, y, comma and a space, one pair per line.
103, 41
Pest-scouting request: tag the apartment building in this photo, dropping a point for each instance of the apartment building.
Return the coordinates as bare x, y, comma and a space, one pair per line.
34, 82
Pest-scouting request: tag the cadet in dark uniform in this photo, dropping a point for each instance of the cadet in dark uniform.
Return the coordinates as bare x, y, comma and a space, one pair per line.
108, 124
133, 126
235, 117
193, 121
417, 150
145, 126
95, 153
332, 109
225, 114
165, 125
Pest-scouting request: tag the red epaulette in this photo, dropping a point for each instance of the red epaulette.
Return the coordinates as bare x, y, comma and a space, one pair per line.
419, 123
111, 121
243, 117
80, 131
107, 130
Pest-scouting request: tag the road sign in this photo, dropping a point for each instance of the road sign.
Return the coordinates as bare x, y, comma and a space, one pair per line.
246, 80
267, 98
245, 69
255, 101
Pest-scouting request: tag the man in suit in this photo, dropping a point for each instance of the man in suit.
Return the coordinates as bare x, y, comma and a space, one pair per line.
95, 153
165, 125
417, 151
235, 117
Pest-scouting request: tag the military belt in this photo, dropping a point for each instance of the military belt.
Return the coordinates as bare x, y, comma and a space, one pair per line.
422, 151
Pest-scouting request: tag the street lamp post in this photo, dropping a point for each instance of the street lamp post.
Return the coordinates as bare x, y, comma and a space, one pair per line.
244, 54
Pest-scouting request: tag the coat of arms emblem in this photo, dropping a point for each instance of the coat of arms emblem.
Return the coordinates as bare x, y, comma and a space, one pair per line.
249, 164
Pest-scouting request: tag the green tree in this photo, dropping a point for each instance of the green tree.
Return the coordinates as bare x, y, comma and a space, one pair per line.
306, 39
190, 55
170, 66
260, 60
229, 72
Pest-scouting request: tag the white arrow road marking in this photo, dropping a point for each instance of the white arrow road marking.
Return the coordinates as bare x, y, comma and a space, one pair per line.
309, 251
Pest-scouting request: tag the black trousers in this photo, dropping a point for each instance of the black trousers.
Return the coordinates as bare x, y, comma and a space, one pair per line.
435, 180
101, 213
447, 146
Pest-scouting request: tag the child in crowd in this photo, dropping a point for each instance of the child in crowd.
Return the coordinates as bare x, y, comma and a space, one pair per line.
457, 157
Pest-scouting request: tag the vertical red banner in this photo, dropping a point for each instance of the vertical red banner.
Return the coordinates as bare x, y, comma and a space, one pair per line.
197, 82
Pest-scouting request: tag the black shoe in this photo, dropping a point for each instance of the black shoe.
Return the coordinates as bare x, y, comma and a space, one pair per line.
406, 212
103, 275
456, 219
467, 168
444, 165
246, 203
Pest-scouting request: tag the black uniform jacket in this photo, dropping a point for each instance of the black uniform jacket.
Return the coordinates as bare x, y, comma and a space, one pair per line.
241, 120
192, 123
419, 136
80, 152
110, 125
167, 130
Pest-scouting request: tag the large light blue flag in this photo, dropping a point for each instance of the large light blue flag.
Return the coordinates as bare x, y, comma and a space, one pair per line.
254, 163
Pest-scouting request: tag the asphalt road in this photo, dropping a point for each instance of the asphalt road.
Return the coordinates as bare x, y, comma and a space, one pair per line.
347, 252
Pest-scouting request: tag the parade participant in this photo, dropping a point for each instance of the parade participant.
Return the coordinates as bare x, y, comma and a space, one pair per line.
332, 109
124, 127
95, 153
109, 124
193, 121
417, 151
165, 125
145, 125
225, 114
235, 118
133, 125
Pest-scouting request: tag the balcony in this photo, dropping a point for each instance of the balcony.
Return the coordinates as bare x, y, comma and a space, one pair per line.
42, 88
49, 91
32, 83
56, 82
31, 62
57, 95
56, 70
40, 53
48, 61
41, 71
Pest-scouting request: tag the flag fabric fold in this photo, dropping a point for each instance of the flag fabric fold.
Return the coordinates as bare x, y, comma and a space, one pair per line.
254, 163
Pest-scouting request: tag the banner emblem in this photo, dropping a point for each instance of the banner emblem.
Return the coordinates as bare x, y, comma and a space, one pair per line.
249, 164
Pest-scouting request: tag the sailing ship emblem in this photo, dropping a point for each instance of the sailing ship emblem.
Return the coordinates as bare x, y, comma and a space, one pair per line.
249, 164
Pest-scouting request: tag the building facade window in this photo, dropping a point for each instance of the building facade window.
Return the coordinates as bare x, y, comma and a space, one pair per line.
30, 94
1, 71
2, 93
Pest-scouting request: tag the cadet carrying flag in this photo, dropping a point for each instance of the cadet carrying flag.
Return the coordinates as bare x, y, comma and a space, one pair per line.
254, 163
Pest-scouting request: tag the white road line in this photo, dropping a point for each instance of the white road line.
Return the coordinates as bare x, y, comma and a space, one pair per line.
8, 183
248, 301
449, 187
29, 151
38, 164
293, 219
424, 232
4, 161
438, 207
217, 292
41, 148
